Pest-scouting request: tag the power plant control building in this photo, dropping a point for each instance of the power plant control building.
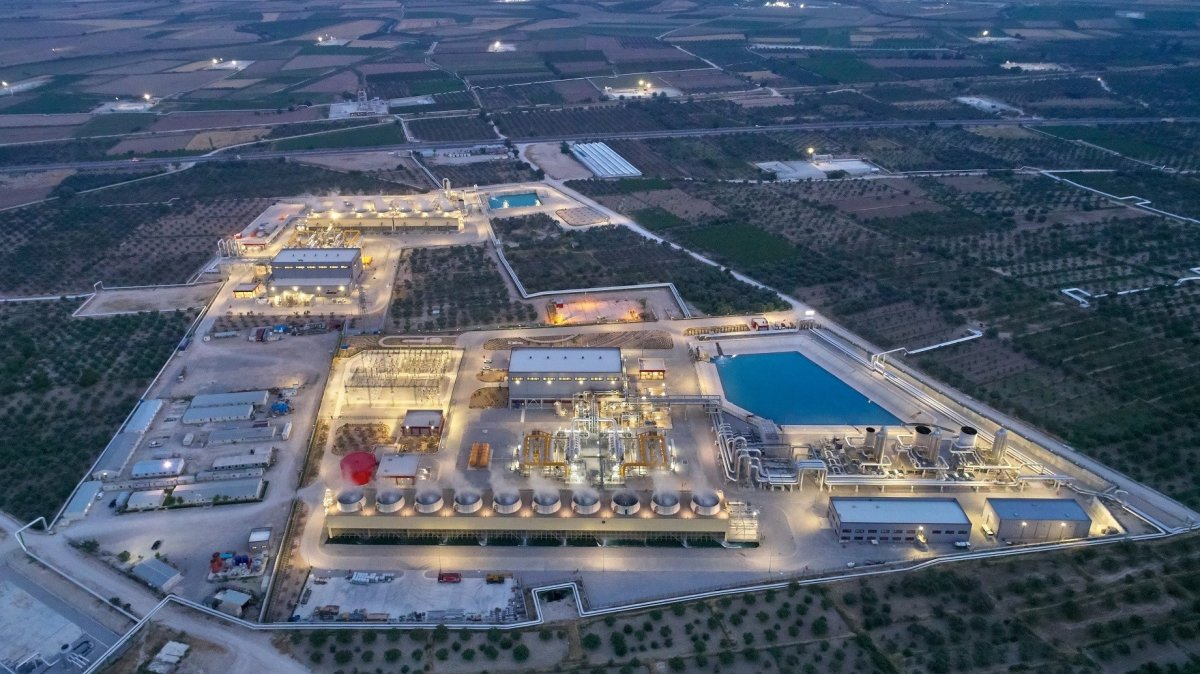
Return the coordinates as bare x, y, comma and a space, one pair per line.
538, 375
319, 271
1036, 520
898, 520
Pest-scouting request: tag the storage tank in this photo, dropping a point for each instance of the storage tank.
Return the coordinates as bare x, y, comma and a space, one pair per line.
999, 445
869, 439
966, 438
467, 502
879, 441
706, 503
665, 503
428, 502
585, 503
506, 502
546, 503
358, 468
625, 503
389, 501
351, 501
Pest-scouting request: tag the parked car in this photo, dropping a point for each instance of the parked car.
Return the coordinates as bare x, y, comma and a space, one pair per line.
449, 577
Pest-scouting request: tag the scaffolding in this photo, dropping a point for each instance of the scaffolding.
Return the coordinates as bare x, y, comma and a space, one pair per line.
420, 370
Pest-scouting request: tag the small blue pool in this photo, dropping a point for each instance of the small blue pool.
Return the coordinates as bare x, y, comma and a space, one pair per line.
791, 390
514, 200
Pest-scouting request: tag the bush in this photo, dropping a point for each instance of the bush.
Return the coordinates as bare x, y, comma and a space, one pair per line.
591, 641
521, 653
392, 655
343, 656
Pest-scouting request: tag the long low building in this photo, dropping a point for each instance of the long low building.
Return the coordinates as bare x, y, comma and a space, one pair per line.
116, 456
223, 491
198, 416
1036, 520
256, 398
604, 161
157, 468
545, 374
898, 519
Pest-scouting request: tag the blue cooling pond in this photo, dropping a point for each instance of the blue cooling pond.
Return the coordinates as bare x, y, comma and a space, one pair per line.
791, 390
514, 200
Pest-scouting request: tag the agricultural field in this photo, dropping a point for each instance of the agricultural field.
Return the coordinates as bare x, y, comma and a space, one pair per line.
1173, 145
66, 392
546, 257
454, 288
1126, 607
911, 262
389, 133
452, 128
486, 172
1179, 194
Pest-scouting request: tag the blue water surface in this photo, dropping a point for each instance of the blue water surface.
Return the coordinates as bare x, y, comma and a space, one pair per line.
514, 200
791, 390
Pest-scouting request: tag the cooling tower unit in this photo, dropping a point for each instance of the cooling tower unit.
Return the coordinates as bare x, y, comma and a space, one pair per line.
706, 503
467, 502
869, 439
428, 502
506, 502
351, 501
626, 503
389, 501
665, 503
546, 503
966, 438
585, 504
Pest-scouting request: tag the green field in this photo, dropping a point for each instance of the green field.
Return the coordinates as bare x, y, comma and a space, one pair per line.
116, 124
844, 68
366, 136
67, 390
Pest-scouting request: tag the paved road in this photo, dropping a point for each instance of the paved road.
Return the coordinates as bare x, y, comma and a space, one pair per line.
621, 135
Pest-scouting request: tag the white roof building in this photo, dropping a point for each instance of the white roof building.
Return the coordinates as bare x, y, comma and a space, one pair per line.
568, 360
256, 398
157, 468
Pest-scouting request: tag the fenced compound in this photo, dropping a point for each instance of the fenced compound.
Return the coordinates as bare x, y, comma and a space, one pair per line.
385, 372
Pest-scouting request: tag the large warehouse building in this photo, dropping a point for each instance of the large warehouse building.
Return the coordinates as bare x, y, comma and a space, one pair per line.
899, 520
1036, 520
315, 271
538, 375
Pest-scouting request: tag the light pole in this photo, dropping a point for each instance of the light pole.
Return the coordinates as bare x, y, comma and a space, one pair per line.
6, 87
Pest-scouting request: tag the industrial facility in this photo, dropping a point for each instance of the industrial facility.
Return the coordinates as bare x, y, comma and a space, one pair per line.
315, 271
1036, 520
539, 376
899, 520
444, 210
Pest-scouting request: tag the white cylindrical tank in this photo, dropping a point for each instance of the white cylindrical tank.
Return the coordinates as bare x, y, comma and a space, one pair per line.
665, 503
966, 438
506, 502
585, 503
467, 502
999, 446
351, 501
428, 502
625, 503
546, 503
706, 503
389, 501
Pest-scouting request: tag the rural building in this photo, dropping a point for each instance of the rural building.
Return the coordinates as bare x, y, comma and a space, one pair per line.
315, 271
400, 468
231, 602
116, 456
604, 161
261, 458
157, 574
652, 369
421, 423
143, 416
538, 375
260, 541
197, 416
898, 519
157, 468
232, 491
148, 499
247, 291
232, 436
81, 501
255, 398
1036, 520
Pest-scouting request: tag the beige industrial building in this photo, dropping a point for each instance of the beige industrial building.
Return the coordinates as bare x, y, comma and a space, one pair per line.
1036, 520
898, 520
315, 271
538, 375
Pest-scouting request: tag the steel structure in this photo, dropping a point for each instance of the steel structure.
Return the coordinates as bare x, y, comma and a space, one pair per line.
385, 371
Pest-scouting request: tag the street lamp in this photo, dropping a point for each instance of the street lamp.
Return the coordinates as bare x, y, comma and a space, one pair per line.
7, 87
811, 151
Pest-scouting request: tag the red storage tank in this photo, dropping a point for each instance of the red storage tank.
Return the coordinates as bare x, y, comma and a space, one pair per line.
358, 468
